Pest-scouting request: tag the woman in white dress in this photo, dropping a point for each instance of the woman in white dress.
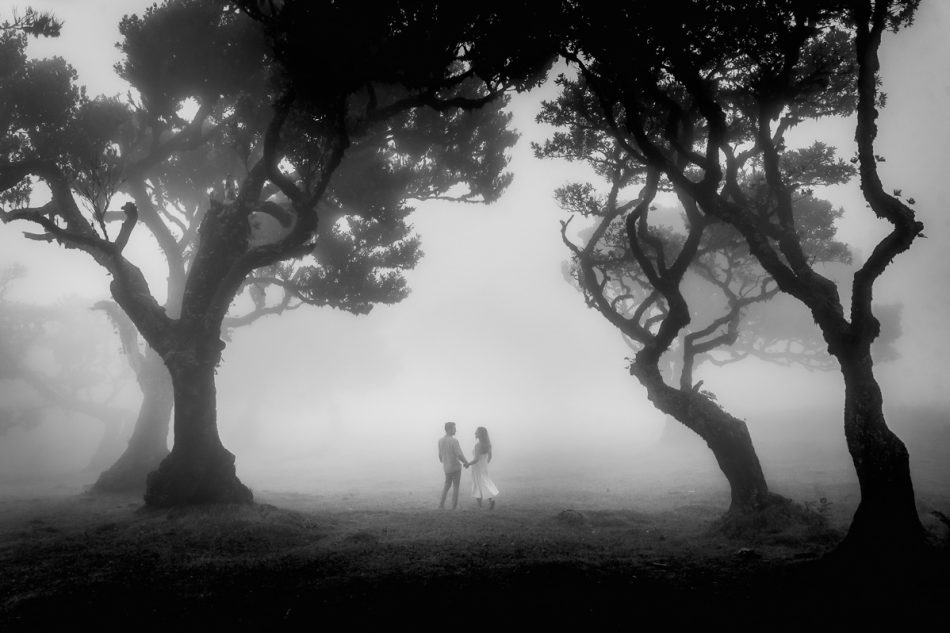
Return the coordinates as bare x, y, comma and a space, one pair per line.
482, 485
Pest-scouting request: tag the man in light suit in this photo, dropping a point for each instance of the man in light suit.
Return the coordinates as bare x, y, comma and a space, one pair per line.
450, 454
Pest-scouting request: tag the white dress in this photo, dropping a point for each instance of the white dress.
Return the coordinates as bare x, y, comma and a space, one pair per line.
482, 485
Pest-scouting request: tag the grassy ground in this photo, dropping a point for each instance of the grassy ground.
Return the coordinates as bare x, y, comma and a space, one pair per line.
358, 557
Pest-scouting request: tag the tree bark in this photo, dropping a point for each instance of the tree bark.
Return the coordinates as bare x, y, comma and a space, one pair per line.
199, 469
148, 445
727, 437
886, 522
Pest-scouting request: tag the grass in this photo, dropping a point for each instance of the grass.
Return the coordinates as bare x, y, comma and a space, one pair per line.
552, 555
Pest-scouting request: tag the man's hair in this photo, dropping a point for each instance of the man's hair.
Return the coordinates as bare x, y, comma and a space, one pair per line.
449, 425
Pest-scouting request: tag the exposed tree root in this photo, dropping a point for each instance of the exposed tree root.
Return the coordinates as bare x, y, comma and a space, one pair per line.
128, 474
778, 519
183, 480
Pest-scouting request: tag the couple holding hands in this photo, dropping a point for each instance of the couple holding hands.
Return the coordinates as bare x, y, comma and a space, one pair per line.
452, 458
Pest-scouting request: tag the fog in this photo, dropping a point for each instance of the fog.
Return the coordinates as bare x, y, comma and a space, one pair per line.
493, 334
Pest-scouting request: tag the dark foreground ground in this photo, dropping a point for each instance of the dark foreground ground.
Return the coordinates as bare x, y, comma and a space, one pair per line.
345, 561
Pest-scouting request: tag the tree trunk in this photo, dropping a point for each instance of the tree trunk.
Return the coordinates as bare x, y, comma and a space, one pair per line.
110, 444
886, 522
148, 445
199, 469
727, 437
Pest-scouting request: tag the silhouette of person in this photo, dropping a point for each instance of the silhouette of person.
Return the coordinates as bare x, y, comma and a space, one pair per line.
482, 484
450, 454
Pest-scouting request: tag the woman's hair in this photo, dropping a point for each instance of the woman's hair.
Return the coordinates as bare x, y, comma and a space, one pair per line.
482, 434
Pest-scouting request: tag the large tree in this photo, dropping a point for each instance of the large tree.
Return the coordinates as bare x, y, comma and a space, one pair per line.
171, 190
383, 107
677, 285
170, 187
753, 70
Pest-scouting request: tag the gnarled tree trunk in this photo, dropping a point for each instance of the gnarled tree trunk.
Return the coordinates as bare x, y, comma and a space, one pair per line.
148, 445
199, 469
886, 522
727, 437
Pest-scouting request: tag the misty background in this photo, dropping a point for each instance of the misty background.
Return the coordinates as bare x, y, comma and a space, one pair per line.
494, 335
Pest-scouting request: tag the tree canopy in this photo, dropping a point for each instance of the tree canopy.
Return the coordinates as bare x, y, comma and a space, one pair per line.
726, 279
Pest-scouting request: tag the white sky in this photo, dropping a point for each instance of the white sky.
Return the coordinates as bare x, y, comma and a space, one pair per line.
492, 334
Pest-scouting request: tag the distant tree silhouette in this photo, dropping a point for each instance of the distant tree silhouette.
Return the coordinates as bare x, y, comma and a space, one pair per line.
58, 357
386, 106
691, 93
